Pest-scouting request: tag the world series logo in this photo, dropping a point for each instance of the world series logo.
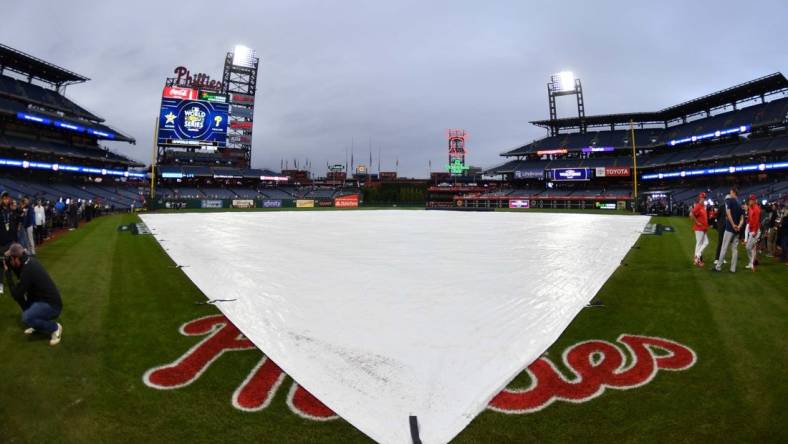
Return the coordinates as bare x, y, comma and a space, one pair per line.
595, 366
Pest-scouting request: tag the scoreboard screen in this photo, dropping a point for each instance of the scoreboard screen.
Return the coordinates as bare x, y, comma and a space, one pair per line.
192, 122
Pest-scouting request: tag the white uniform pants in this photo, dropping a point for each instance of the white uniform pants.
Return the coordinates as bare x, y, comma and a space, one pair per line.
701, 242
752, 246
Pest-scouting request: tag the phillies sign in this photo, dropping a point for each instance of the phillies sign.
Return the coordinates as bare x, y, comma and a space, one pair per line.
199, 80
595, 366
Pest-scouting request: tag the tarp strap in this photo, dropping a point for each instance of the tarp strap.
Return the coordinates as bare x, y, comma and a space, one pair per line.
414, 430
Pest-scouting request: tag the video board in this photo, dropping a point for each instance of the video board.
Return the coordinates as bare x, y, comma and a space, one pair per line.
192, 122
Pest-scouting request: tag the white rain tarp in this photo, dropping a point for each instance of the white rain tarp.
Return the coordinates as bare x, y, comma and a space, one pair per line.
387, 314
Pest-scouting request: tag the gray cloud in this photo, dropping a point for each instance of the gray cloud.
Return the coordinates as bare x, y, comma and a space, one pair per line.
401, 73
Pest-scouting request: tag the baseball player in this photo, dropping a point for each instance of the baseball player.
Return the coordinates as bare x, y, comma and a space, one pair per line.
700, 225
753, 230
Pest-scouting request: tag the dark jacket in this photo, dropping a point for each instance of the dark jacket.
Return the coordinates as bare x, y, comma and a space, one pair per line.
34, 284
8, 223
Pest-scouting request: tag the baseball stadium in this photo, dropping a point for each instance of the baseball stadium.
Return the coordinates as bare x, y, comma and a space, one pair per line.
622, 278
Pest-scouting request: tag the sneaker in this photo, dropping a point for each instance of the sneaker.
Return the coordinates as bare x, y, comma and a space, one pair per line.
55, 340
748, 266
29, 331
716, 261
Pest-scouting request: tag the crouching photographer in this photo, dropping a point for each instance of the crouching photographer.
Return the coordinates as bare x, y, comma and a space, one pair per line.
33, 289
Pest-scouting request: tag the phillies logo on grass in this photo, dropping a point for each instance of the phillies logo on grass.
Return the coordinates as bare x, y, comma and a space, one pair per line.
594, 365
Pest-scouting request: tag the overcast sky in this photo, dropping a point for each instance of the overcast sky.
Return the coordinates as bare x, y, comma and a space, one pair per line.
401, 73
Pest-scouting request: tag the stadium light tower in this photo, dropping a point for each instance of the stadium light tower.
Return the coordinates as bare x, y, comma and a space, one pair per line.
565, 83
240, 84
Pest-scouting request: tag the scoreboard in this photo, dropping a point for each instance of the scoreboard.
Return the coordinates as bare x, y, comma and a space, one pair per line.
183, 121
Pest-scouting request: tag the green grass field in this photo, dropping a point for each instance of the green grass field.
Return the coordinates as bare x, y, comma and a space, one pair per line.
125, 301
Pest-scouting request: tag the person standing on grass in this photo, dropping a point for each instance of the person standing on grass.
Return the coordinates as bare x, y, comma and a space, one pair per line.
720, 228
35, 292
7, 223
700, 225
41, 220
734, 221
27, 223
753, 230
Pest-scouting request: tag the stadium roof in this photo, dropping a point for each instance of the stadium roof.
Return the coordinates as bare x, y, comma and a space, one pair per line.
25, 64
754, 88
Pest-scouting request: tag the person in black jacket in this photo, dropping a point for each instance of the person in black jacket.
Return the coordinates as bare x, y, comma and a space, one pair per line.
35, 292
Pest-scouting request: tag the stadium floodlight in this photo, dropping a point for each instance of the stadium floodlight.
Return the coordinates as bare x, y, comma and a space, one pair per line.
564, 81
243, 56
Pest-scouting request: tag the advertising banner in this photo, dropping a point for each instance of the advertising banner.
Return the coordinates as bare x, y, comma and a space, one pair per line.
241, 125
174, 92
193, 121
571, 174
241, 111
243, 203
606, 206
350, 201
211, 204
325, 203
535, 173
519, 203
305, 203
600, 172
272, 203
241, 98
616, 171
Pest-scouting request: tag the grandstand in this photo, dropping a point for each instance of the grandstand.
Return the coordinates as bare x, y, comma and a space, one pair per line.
51, 147
738, 134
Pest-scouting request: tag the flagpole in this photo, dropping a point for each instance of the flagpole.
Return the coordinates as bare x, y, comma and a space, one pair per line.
153, 160
635, 165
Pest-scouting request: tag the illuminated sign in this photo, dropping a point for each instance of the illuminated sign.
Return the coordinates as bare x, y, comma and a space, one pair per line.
546, 152
606, 206
534, 173
69, 126
598, 149
65, 125
175, 92
241, 125
305, 203
272, 203
752, 168
612, 172
213, 97
519, 203
68, 167
275, 178
241, 98
456, 167
199, 80
193, 121
570, 174
718, 133
350, 201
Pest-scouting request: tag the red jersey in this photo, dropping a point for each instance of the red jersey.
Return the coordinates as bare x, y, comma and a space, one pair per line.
701, 219
754, 218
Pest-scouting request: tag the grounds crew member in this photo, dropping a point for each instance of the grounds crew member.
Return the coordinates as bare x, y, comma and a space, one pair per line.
35, 293
734, 221
700, 225
753, 230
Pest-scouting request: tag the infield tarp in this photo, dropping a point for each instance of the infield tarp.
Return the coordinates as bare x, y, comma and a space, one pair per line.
387, 314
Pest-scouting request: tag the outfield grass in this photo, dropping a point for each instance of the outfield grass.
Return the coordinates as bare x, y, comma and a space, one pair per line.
124, 302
